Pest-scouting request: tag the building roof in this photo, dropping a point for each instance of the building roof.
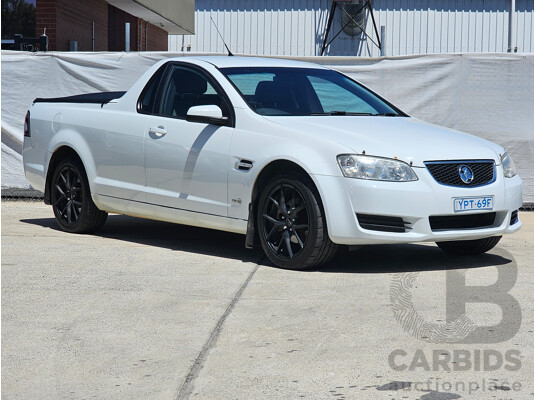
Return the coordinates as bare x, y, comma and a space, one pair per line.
175, 17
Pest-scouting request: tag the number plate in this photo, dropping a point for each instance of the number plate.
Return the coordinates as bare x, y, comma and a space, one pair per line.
473, 203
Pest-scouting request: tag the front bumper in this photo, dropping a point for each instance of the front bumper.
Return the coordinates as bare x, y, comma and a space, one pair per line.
414, 202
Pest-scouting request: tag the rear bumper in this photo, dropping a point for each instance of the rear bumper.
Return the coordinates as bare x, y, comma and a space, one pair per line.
34, 161
414, 202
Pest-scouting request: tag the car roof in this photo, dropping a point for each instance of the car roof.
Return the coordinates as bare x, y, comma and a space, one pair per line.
224, 61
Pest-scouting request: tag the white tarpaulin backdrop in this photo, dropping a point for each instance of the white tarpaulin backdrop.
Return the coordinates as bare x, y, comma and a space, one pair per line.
488, 95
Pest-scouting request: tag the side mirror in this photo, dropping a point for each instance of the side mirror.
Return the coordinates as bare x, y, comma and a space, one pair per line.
209, 114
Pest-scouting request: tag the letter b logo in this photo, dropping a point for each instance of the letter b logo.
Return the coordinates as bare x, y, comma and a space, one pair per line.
458, 328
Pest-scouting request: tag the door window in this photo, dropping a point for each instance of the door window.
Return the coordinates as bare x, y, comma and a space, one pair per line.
147, 100
186, 88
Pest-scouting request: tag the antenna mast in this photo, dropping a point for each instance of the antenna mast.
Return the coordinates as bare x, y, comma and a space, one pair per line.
221, 36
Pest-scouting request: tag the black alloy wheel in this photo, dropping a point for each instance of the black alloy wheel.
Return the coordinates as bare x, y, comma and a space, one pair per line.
71, 200
68, 195
291, 223
286, 221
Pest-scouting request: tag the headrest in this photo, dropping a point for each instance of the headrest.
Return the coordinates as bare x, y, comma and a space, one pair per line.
266, 88
189, 82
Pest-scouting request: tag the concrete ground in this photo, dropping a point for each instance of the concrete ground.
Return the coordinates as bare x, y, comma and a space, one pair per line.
149, 310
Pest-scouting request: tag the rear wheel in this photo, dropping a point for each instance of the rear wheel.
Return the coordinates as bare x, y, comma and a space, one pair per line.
291, 224
469, 247
71, 199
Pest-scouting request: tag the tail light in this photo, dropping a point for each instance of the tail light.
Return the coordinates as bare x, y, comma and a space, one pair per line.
27, 125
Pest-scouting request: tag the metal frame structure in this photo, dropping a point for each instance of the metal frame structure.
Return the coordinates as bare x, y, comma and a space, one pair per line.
368, 5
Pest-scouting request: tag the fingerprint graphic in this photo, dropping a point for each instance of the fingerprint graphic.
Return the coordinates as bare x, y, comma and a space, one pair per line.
405, 313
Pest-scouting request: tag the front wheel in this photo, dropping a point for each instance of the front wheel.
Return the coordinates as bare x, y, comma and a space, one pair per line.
291, 223
469, 247
71, 199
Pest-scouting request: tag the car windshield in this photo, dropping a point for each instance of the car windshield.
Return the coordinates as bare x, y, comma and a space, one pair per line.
305, 91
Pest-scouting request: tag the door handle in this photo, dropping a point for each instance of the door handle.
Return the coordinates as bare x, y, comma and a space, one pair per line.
158, 131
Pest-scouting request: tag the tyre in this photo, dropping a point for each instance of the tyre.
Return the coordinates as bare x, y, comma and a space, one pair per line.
469, 247
71, 199
291, 223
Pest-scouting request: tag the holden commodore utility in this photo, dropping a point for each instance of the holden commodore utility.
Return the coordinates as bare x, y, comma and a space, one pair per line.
297, 157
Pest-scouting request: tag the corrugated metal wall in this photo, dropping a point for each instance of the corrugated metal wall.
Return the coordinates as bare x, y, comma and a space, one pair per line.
297, 27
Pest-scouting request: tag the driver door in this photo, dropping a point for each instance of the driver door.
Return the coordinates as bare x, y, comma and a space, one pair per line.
186, 163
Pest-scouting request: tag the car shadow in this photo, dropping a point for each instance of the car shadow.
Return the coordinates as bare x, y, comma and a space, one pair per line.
369, 259
170, 236
396, 258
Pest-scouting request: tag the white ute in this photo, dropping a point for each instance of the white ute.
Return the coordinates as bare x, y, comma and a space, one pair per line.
298, 157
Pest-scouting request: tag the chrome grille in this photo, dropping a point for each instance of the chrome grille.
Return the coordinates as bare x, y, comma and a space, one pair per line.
447, 172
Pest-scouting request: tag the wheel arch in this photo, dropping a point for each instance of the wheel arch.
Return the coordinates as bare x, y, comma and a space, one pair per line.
61, 153
273, 168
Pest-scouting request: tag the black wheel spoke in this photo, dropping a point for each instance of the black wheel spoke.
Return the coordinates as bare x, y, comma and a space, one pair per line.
76, 203
270, 219
62, 213
63, 179
62, 197
273, 220
75, 213
298, 209
74, 180
69, 213
282, 202
279, 246
288, 244
60, 190
272, 231
274, 201
299, 240
68, 179
300, 226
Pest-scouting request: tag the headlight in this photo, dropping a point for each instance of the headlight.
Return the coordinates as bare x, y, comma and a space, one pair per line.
375, 168
509, 168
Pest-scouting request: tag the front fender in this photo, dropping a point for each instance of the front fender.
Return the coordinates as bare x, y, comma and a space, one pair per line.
262, 150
